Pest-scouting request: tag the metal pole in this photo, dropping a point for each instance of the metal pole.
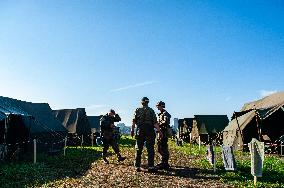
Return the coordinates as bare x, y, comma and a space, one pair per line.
92, 139
34, 151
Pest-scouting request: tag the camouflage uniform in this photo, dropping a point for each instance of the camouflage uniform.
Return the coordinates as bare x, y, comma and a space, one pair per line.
145, 118
164, 122
107, 134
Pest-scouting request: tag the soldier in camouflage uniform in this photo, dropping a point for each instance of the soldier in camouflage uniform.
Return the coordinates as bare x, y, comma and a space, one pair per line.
146, 121
107, 134
164, 123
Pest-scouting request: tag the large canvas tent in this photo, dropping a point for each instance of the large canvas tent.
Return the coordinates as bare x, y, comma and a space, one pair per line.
94, 123
262, 119
22, 121
206, 126
76, 122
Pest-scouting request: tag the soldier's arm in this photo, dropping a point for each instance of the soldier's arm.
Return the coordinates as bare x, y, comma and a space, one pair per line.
167, 118
117, 118
133, 124
156, 124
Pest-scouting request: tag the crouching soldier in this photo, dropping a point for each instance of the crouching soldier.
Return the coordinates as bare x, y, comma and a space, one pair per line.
107, 134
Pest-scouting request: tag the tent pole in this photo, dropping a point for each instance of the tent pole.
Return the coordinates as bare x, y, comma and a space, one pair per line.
257, 124
239, 127
92, 137
34, 151
6, 128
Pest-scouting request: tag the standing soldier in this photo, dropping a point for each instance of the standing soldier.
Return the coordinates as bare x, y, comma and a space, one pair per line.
146, 121
164, 123
107, 133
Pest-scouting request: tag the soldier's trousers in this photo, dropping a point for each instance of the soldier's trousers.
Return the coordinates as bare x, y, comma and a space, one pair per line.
163, 149
148, 136
110, 142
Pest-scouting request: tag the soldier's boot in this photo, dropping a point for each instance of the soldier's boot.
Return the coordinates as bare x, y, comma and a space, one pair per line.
166, 166
120, 158
158, 166
163, 166
152, 169
105, 159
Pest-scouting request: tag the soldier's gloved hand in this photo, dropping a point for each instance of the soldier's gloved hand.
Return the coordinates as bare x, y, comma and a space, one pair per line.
160, 136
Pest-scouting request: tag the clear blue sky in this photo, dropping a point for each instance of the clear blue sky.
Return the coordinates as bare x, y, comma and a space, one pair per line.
200, 57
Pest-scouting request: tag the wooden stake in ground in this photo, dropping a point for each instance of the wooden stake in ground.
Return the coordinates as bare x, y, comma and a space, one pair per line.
214, 158
257, 158
65, 142
254, 181
199, 144
34, 151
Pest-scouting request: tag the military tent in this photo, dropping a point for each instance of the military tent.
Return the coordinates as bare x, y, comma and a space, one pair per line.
22, 121
208, 126
76, 122
95, 126
184, 128
94, 123
262, 119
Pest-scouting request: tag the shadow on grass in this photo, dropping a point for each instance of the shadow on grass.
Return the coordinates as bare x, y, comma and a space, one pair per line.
48, 168
185, 172
193, 173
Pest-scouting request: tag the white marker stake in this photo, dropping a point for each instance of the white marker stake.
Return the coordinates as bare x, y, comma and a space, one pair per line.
199, 144
214, 159
34, 151
65, 143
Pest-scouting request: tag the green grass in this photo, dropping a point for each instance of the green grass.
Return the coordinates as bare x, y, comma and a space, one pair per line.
52, 168
273, 168
126, 141
48, 168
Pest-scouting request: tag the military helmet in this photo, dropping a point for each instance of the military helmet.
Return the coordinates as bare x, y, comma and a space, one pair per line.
112, 111
161, 103
144, 99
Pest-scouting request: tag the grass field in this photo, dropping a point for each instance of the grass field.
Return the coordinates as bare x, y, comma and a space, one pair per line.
83, 167
273, 168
